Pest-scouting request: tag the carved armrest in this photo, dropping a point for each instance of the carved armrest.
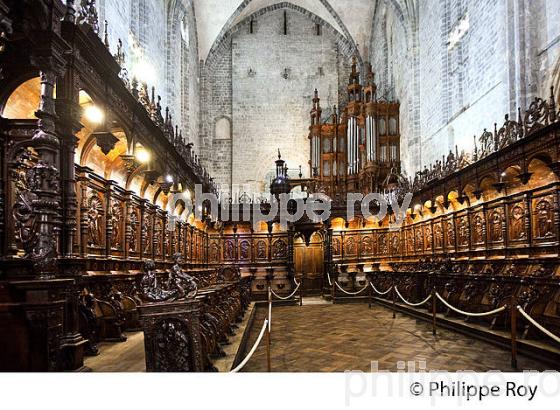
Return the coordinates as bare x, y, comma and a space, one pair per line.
107, 311
129, 303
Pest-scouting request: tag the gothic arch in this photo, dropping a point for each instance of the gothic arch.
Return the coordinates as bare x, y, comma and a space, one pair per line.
230, 28
220, 122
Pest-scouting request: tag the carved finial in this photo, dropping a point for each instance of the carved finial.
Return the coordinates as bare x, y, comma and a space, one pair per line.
279, 156
70, 11
134, 87
106, 34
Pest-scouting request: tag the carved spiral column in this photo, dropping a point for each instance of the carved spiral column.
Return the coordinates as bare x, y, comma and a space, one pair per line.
328, 250
108, 221
291, 233
44, 179
128, 207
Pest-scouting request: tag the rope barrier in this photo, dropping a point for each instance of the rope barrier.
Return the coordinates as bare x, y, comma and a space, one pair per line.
329, 278
351, 293
286, 297
538, 325
412, 304
462, 312
253, 349
381, 293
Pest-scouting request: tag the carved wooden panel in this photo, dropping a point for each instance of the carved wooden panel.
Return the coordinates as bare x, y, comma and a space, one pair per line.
518, 222
279, 249
336, 246
478, 229
261, 249
428, 239
244, 250
450, 237
383, 246
544, 219
463, 231
214, 251
418, 239
350, 248
94, 215
133, 226
438, 234
395, 241
366, 246
496, 225
116, 222
229, 250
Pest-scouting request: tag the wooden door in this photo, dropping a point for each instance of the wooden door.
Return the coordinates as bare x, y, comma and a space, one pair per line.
309, 263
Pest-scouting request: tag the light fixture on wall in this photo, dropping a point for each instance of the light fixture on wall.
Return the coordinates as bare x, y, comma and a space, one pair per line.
501, 184
286, 73
94, 114
150, 173
143, 155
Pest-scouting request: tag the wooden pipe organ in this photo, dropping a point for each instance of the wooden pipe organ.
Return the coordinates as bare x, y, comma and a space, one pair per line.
357, 150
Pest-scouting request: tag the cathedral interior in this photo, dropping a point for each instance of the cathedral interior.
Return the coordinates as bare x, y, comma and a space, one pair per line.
147, 148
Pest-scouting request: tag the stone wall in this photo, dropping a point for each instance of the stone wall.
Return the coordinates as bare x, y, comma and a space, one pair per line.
160, 42
472, 61
263, 82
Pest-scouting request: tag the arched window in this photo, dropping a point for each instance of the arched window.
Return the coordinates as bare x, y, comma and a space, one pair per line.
222, 129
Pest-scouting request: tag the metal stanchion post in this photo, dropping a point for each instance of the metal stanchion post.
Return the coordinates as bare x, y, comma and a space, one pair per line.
513, 314
394, 293
370, 290
434, 310
268, 363
301, 292
333, 291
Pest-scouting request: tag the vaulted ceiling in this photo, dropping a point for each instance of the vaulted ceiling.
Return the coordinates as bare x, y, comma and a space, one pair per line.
352, 19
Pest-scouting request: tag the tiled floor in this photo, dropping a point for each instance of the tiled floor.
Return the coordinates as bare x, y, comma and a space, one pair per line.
328, 338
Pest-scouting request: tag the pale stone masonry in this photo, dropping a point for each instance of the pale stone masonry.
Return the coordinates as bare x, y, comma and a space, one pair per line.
507, 55
456, 66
